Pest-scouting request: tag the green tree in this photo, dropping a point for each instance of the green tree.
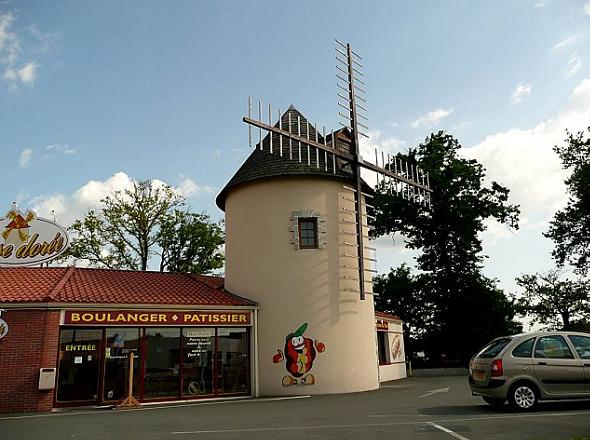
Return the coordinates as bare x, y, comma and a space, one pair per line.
447, 234
570, 228
559, 304
189, 242
144, 221
400, 292
474, 313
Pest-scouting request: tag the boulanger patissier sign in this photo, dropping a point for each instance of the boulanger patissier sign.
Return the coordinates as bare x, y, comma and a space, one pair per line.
27, 240
165, 317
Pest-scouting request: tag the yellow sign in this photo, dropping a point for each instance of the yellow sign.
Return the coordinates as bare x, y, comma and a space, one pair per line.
26, 239
129, 317
80, 347
382, 325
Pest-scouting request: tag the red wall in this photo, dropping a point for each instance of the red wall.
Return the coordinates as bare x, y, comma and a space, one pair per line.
31, 343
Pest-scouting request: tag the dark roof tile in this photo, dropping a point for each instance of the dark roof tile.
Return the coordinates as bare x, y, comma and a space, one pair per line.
261, 164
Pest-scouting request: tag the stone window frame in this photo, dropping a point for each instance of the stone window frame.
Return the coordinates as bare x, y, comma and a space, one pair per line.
322, 231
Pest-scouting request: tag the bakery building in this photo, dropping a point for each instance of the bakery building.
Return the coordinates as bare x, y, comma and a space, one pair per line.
72, 331
287, 318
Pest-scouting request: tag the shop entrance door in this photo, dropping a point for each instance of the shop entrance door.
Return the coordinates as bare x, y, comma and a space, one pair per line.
198, 348
232, 361
79, 365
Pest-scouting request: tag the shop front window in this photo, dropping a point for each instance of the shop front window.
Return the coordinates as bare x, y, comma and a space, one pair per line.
198, 347
169, 363
79, 364
120, 342
232, 346
162, 357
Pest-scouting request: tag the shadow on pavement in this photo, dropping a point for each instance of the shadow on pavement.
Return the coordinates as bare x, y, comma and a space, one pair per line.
565, 405
483, 409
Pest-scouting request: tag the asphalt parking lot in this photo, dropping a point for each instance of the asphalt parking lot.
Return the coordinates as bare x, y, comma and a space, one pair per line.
416, 408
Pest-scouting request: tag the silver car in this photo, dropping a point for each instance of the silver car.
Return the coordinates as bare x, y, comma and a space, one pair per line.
530, 367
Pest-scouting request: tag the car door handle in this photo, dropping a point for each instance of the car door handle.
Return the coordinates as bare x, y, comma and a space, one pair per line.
542, 363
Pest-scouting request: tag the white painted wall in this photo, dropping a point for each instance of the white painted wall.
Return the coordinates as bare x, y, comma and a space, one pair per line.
301, 286
396, 369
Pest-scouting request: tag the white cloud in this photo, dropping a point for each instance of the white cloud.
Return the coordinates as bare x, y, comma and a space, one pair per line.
45, 42
460, 126
11, 76
25, 157
524, 160
90, 195
69, 207
189, 188
28, 73
61, 148
565, 42
431, 118
495, 232
391, 251
540, 4
16, 69
30, 156
587, 8
390, 145
520, 92
9, 44
574, 64
384, 147
21, 197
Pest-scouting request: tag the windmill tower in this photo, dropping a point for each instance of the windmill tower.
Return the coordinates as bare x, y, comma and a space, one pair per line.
297, 243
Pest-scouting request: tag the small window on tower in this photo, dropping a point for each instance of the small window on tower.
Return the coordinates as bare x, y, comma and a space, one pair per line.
308, 232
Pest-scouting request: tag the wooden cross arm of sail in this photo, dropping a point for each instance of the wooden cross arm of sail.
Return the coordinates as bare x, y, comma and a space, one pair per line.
296, 137
385, 171
338, 153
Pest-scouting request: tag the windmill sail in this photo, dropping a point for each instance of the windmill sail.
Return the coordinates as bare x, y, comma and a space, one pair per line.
302, 147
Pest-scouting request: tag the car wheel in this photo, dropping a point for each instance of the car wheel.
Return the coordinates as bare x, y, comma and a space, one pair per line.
494, 402
523, 396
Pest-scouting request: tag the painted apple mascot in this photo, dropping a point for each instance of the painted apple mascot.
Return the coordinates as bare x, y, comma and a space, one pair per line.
300, 352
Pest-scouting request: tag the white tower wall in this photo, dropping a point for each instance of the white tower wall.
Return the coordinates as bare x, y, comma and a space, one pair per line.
295, 286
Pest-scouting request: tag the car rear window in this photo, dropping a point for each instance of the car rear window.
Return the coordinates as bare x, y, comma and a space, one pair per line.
524, 349
494, 348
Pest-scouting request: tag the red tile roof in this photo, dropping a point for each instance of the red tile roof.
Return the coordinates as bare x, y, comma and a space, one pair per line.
386, 316
105, 286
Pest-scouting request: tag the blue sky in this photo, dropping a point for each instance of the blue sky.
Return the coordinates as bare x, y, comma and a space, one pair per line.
93, 94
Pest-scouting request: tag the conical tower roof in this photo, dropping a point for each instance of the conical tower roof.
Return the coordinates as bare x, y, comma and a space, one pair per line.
261, 164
